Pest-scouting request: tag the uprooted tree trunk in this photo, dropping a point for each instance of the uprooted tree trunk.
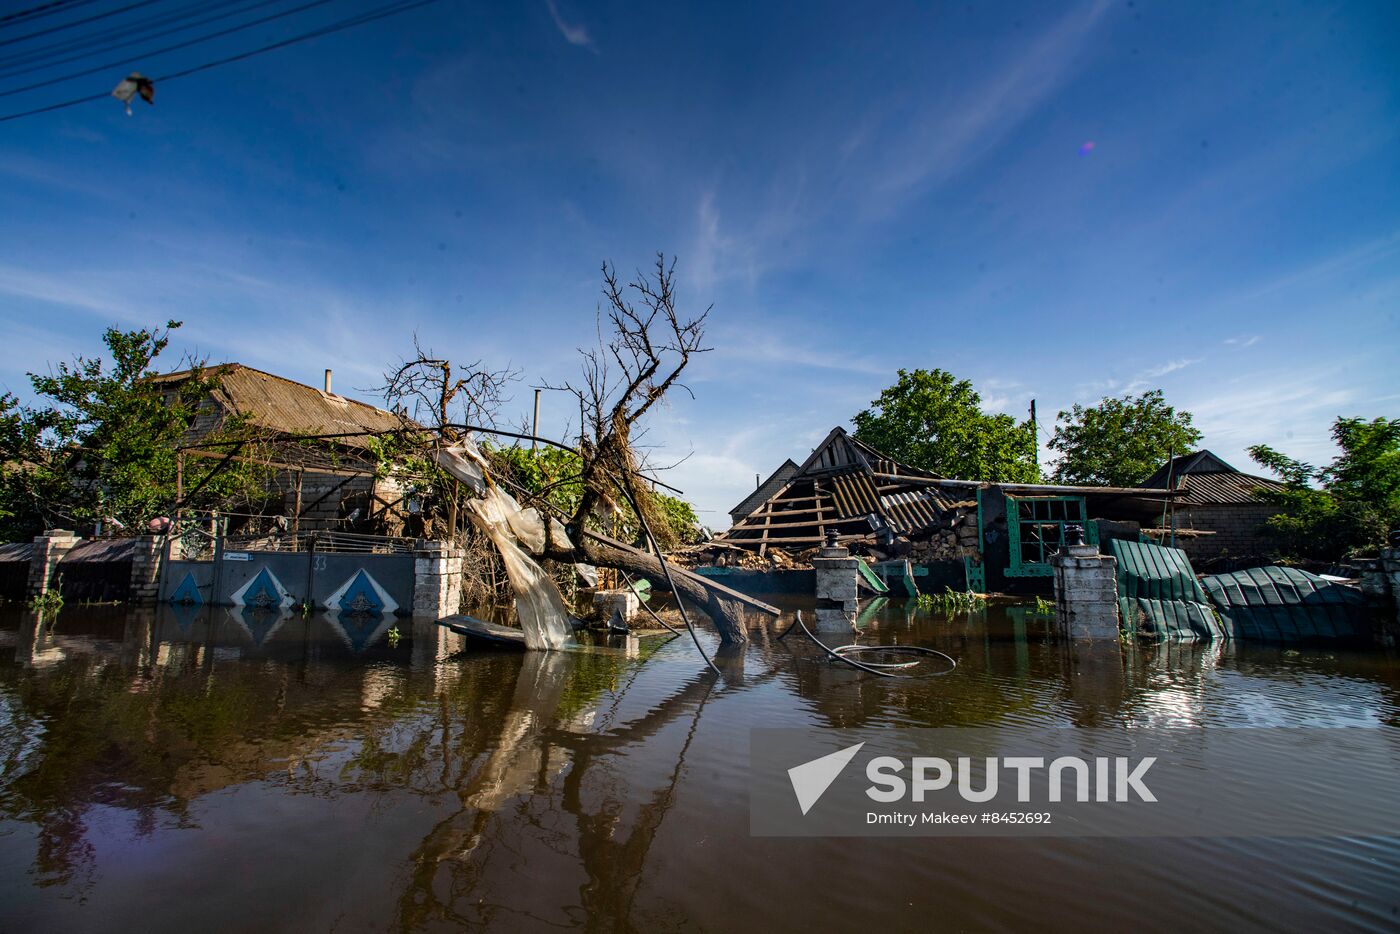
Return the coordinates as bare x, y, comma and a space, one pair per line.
724, 607
623, 379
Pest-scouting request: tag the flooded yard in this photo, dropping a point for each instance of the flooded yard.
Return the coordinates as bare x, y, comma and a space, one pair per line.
218, 772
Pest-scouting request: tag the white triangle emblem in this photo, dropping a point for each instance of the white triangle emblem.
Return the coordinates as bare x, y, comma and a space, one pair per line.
810, 780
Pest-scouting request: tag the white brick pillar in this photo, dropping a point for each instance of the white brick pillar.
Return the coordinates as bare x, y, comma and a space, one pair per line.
837, 584
624, 601
145, 570
437, 580
1086, 593
49, 549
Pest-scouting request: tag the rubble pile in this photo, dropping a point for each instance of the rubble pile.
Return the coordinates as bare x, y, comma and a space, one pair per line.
957, 538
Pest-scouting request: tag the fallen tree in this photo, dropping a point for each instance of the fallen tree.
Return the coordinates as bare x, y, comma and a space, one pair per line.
640, 357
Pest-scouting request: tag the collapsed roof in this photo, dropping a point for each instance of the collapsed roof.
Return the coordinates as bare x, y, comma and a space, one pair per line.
850, 488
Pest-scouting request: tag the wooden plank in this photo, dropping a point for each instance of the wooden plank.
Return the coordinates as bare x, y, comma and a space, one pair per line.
799, 539
783, 513
801, 525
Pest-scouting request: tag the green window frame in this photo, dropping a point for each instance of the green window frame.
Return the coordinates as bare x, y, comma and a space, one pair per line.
1036, 529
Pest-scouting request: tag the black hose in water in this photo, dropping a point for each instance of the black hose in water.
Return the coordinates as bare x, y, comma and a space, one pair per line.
670, 582
875, 668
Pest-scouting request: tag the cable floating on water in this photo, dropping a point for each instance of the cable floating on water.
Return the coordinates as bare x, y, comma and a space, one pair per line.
876, 668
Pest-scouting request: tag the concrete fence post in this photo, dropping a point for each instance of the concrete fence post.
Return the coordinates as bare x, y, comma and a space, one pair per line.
437, 579
1086, 593
49, 549
1381, 583
144, 587
837, 584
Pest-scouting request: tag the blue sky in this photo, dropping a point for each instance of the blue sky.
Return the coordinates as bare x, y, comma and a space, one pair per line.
855, 188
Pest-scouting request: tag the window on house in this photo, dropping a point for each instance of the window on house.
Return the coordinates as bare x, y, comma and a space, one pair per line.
1036, 526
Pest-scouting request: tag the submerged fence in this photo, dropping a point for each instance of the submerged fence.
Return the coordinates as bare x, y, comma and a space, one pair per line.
337, 571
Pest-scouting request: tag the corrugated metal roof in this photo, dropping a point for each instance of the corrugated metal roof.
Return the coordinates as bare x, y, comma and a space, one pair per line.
913, 510
1277, 604
19, 552
1208, 481
101, 551
287, 407
853, 493
1173, 620
1158, 595
1201, 461
1224, 489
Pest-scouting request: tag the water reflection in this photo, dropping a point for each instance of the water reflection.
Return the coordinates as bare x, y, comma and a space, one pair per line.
602, 788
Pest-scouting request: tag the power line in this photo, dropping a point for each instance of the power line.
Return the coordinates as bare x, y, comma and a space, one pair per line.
78, 22
144, 38
39, 12
89, 39
314, 34
161, 51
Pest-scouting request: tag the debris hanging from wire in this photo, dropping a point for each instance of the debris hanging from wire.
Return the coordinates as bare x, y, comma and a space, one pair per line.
133, 84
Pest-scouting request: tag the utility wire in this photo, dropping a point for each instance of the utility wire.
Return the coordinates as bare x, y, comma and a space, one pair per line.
161, 51
314, 34
105, 38
78, 22
114, 46
38, 12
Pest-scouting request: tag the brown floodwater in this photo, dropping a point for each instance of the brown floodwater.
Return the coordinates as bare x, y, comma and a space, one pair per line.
180, 770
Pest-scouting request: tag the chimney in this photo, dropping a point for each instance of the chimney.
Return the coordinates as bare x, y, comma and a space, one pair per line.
328, 382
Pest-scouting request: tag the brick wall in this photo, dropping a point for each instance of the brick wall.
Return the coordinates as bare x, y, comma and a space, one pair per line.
1236, 530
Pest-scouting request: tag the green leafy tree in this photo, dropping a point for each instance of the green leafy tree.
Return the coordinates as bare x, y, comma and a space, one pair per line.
554, 475
932, 420
1119, 442
1345, 508
103, 443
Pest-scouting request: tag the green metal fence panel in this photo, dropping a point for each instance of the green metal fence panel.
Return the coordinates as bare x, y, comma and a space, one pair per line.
976, 575
1159, 597
870, 579
1278, 604
1154, 572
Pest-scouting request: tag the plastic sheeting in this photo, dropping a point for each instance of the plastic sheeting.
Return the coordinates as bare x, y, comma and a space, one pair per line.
517, 534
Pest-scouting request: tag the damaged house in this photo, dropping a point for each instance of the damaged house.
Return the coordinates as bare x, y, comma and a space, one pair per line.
1218, 511
956, 533
327, 484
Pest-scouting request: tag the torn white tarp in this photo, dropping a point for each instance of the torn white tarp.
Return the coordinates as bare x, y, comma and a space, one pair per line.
544, 617
464, 462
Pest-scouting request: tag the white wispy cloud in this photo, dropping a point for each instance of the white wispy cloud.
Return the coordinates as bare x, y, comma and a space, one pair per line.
1244, 340
573, 33
945, 142
1140, 381
895, 152
83, 292
1170, 366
